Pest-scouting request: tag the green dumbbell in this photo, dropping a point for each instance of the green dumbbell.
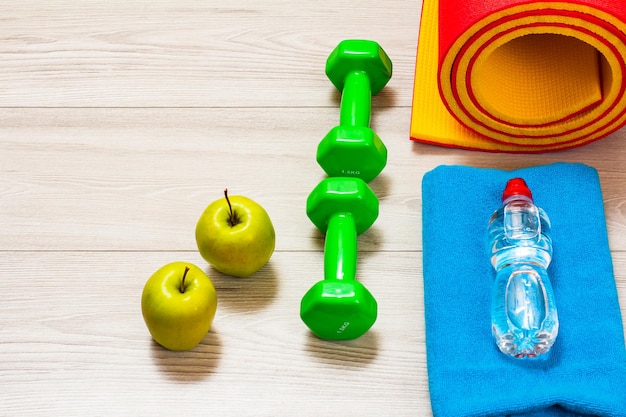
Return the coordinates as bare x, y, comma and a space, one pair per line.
339, 307
359, 69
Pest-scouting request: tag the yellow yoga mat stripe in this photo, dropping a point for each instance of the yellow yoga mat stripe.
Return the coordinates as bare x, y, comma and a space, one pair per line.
523, 77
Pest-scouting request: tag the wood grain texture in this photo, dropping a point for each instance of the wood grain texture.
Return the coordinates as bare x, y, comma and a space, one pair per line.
120, 121
138, 179
73, 340
188, 53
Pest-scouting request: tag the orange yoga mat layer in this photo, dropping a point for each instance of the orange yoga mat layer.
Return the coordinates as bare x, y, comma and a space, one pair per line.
519, 76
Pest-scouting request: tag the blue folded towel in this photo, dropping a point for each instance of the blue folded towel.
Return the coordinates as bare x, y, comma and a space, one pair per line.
585, 372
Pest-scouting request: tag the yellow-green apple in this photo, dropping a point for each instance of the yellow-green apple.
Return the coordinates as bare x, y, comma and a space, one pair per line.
178, 305
235, 235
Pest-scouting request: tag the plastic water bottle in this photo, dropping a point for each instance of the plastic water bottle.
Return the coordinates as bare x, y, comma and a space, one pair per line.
523, 312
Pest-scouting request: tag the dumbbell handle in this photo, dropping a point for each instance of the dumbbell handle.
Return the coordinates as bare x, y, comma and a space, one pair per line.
356, 100
340, 248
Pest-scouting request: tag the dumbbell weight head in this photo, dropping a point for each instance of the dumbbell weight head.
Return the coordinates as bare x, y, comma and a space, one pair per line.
353, 151
342, 195
359, 55
339, 307
337, 310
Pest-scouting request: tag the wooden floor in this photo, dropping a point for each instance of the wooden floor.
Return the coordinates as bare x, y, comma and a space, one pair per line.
121, 120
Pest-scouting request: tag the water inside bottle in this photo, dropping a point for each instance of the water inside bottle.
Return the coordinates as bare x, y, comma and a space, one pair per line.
524, 316
525, 300
524, 325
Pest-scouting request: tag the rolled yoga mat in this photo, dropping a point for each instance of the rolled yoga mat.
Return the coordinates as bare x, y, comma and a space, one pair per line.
519, 75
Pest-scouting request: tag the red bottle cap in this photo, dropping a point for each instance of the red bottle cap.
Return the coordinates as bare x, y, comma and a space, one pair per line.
516, 186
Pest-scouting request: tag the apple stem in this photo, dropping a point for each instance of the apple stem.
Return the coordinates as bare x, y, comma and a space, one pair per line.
182, 283
232, 220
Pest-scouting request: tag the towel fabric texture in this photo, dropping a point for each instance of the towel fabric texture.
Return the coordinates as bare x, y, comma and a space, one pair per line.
519, 75
584, 374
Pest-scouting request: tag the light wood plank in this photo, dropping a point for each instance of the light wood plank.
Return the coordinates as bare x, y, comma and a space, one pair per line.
81, 345
189, 53
138, 179
76, 341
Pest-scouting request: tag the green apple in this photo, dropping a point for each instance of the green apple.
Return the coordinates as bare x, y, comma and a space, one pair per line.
235, 235
178, 305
